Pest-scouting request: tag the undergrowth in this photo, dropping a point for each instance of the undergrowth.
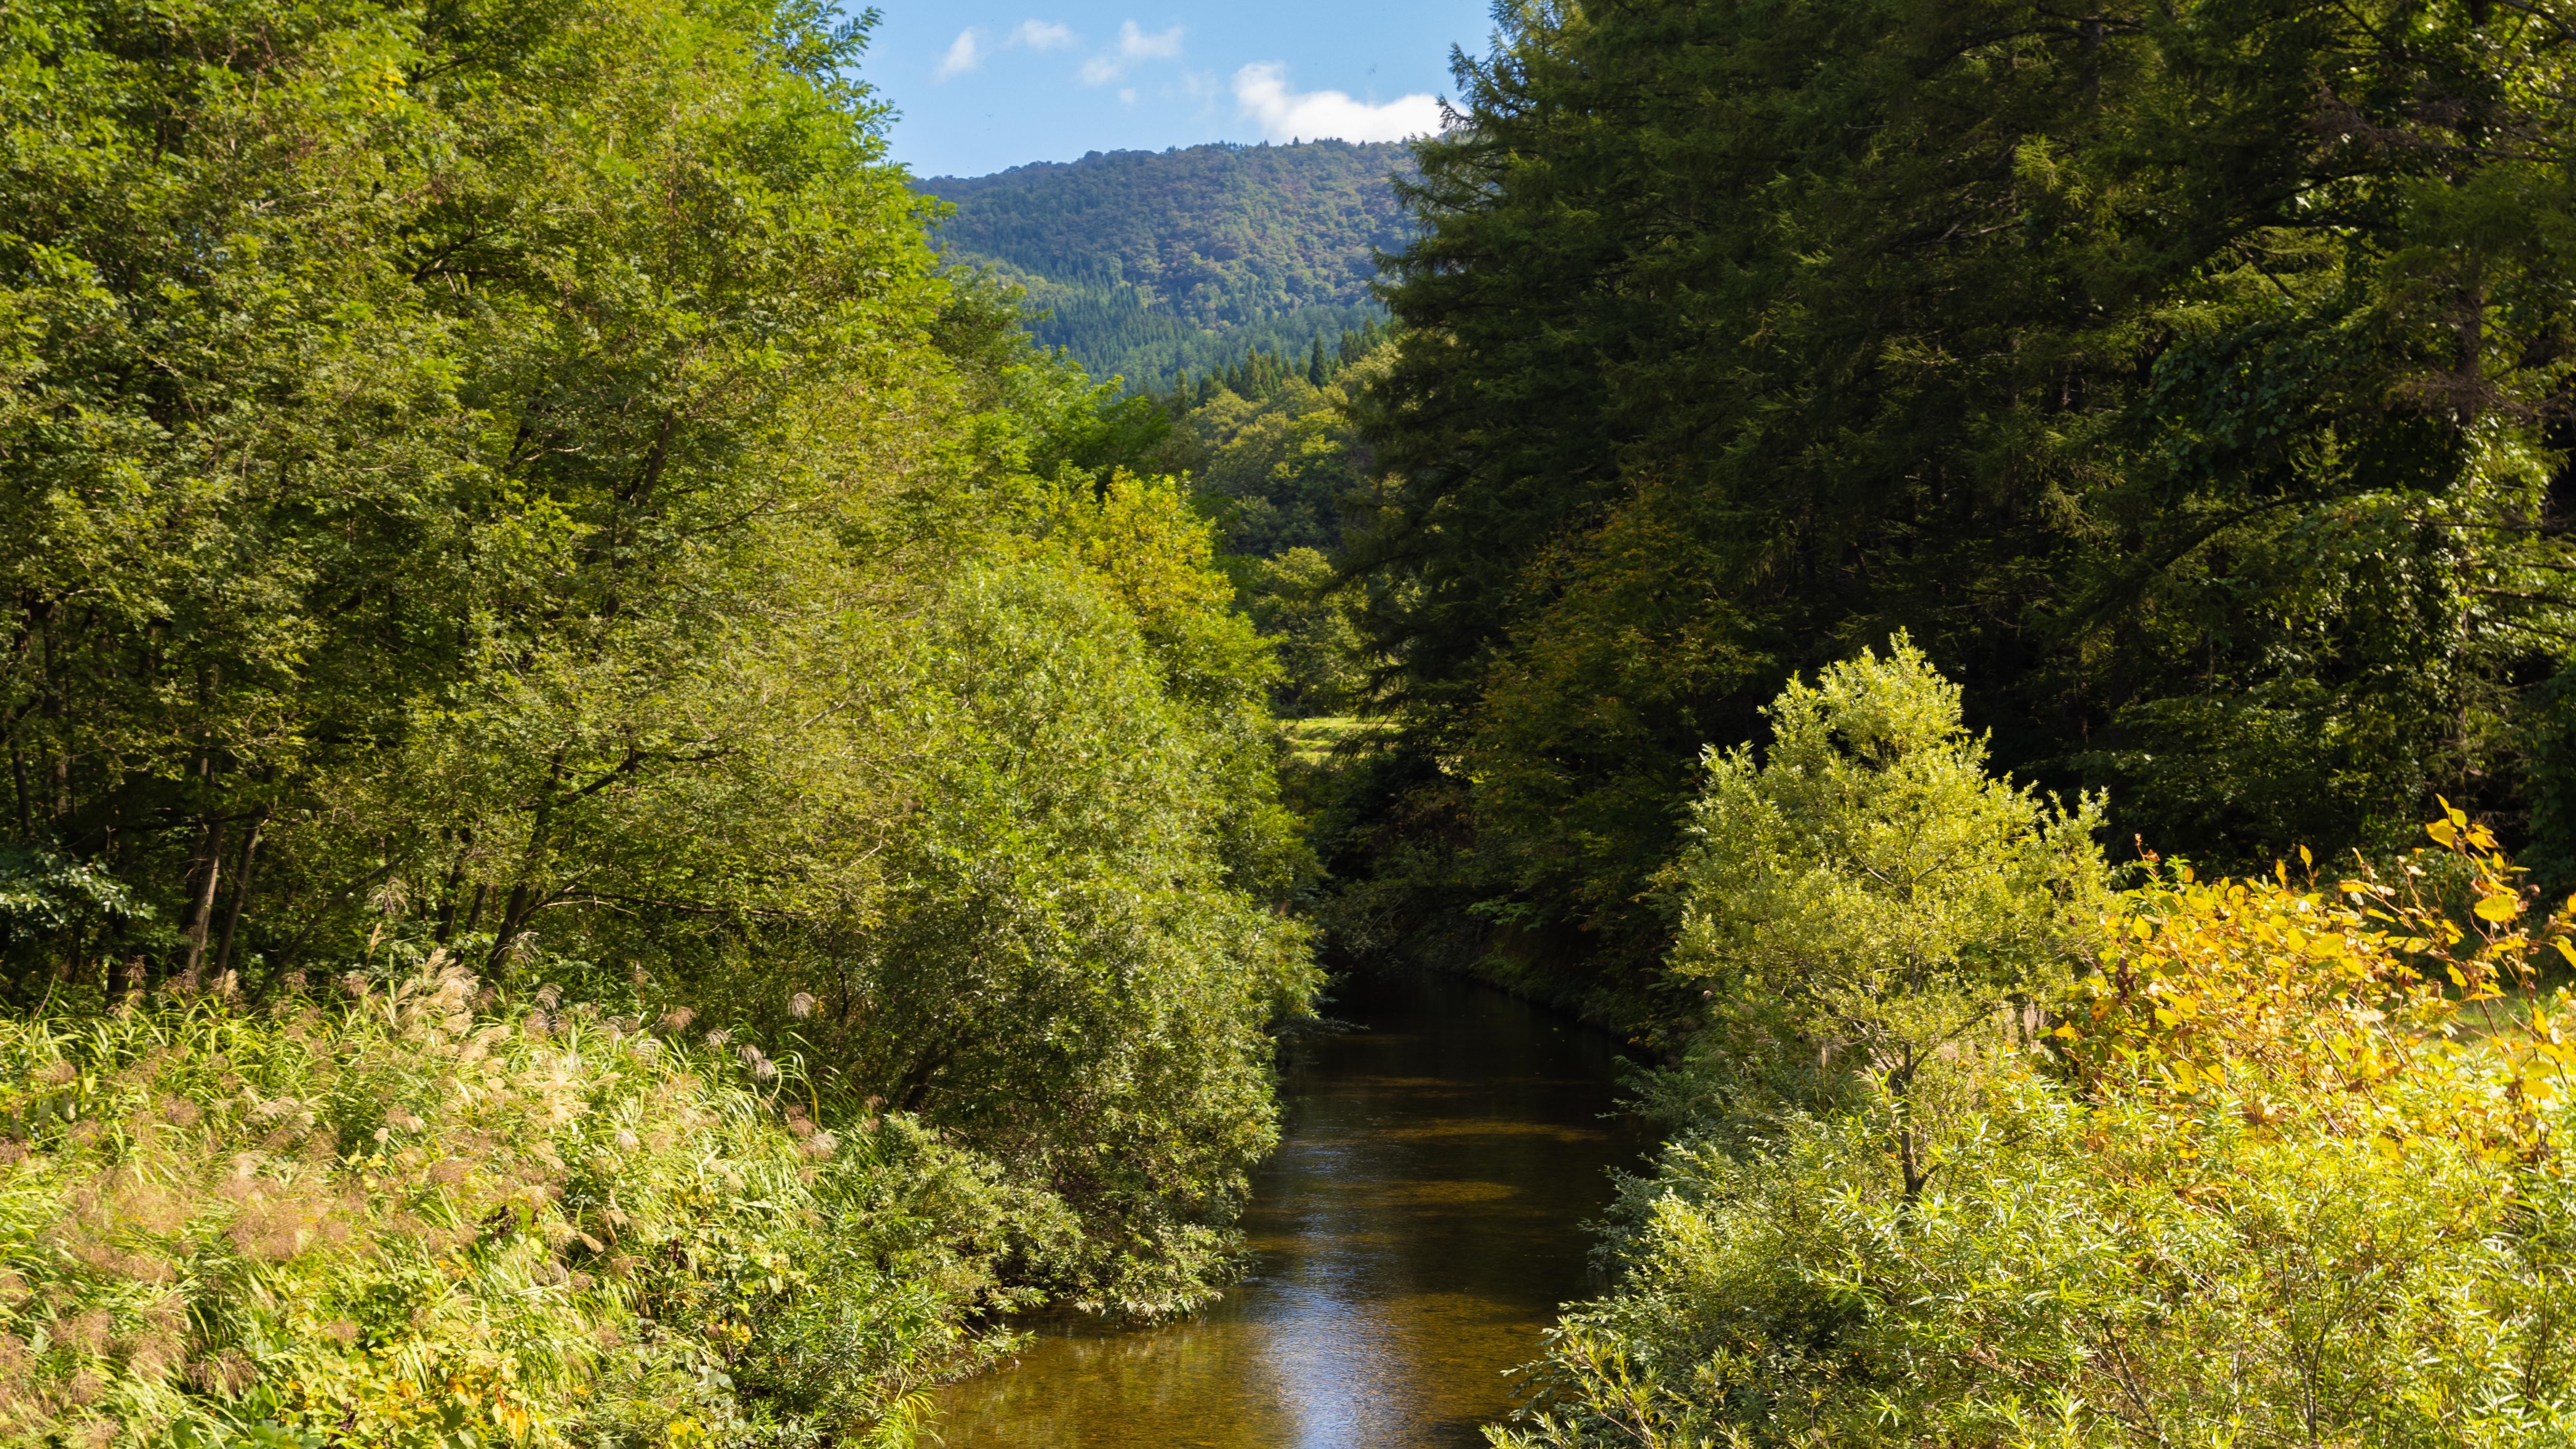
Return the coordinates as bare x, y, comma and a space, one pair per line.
401, 1217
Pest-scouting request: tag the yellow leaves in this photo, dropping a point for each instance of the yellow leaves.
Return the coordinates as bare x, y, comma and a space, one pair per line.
2339, 1013
2454, 832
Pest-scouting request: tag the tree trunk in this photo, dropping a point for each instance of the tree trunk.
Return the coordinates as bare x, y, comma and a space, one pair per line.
913, 1092
1909, 1141
522, 897
203, 868
512, 917
455, 889
241, 893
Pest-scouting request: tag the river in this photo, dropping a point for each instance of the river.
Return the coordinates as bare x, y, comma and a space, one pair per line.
1417, 1228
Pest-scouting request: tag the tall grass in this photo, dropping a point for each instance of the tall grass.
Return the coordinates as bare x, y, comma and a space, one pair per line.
404, 1217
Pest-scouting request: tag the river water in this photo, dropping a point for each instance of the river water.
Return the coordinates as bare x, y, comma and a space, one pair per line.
1417, 1228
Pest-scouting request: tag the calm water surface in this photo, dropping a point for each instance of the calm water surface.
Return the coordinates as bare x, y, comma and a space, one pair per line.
1417, 1228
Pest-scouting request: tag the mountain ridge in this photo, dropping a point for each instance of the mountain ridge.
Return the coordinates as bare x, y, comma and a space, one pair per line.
1150, 264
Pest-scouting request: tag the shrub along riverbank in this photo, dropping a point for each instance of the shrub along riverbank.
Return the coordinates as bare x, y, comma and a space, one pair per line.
504, 488
1972, 1150
393, 1218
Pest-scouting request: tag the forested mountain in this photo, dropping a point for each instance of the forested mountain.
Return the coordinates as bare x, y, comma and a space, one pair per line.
1155, 263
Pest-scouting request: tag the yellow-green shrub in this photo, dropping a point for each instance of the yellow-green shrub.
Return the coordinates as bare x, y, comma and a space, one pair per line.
2377, 1006
2286, 1168
2081, 1274
401, 1219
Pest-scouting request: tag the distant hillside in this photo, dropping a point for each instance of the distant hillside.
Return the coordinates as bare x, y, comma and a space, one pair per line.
1157, 262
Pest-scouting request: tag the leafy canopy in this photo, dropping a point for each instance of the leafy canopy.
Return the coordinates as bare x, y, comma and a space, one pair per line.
1866, 899
2193, 378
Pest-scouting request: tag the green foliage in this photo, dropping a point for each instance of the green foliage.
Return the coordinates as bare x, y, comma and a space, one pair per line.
46, 898
445, 542
2288, 1167
1154, 265
2191, 379
1283, 472
1298, 601
1274, 459
1263, 372
413, 1222
2079, 1276
511, 484
1866, 901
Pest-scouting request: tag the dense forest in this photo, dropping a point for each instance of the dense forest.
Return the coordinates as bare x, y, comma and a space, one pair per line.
1931, 561
1147, 264
2192, 383
620, 822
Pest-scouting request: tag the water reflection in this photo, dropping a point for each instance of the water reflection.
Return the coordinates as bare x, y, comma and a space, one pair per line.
1416, 1229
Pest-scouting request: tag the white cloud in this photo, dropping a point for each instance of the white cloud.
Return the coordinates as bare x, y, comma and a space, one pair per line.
1042, 35
1262, 91
965, 53
1128, 95
1135, 44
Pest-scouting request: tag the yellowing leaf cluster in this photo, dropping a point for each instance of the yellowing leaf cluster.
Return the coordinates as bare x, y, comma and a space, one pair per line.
2403, 1004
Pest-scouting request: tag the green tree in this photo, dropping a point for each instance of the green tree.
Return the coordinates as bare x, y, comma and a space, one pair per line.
1865, 905
1277, 456
513, 481
2191, 379
1298, 601
2278, 1170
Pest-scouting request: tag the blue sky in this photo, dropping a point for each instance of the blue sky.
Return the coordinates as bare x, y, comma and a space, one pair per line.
987, 84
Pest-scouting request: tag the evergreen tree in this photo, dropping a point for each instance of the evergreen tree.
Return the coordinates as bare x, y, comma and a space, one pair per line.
2190, 380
